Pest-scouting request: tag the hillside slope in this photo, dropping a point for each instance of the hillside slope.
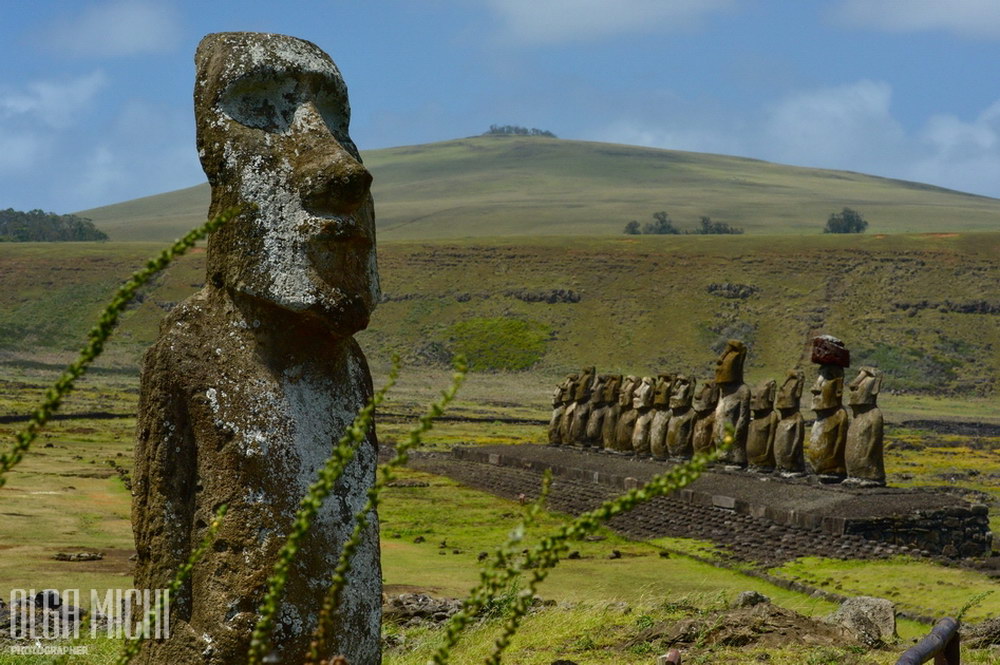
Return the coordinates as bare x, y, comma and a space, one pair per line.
515, 186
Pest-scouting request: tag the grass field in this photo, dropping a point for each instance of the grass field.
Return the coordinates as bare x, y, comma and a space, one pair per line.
509, 186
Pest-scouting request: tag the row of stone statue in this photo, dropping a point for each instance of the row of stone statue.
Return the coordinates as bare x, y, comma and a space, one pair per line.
670, 417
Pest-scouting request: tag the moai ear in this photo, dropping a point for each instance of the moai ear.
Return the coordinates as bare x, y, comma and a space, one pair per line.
877, 386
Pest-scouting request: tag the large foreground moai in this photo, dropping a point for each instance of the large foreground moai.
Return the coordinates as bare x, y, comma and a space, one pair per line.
828, 439
732, 413
254, 378
863, 457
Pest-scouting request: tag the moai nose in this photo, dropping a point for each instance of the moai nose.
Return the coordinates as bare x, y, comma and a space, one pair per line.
330, 178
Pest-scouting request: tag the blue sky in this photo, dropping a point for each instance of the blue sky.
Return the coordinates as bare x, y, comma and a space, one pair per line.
95, 96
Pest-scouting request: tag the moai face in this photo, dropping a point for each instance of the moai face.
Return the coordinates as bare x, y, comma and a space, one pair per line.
790, 393
706, 397
827, 392
763, 396
662, 389
729, 366
272, 117
642, 398
581, 392
865, 387
612, 388
597, 393
627, 393
680, 396
568, 386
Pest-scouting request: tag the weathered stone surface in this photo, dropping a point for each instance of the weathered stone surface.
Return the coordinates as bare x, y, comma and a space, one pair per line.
760, 437
680, 430
581, 396
661, 418
871, 620
612, 395
789, 433
626, 416
863, 456
642, 402
828, 350
732, 413
749, 599
561, 398
598, 409
828, 439
706, 398
254, 378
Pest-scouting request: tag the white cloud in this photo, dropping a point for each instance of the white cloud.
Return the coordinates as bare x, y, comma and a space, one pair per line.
971, 18
116, 28
570, 20
848, 127
56, 105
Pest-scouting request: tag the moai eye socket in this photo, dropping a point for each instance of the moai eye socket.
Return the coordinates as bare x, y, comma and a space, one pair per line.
262, 104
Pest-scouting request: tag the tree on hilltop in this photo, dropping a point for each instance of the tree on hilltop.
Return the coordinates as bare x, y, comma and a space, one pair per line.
846, 221
517, 130
661, 225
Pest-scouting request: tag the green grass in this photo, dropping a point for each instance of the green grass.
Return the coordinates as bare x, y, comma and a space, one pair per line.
506, 186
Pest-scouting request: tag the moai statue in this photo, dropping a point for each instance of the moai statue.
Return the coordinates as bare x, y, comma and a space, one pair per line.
864, 454
760, 437
643, 404
680, 431
253, 379
581, 407
598, 409
561, 398
732, 413
613, 396
706, 398
789, 434
626, 417
825, 450
661, 416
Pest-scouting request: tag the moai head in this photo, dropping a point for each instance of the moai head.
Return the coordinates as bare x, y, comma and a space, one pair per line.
627, 393
272, 116
865, 387
612, 388
642, 398
661, 391
790, 392
597, 392
581, 392
706, 397
680, 395
828, 391
763, 396
567, 387
729, 366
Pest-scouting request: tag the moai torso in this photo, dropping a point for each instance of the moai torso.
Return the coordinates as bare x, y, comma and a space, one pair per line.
643, 404
560, 399
789, 434
582, 396
732, 413
626, 417
661, 416
599, 407
828, 439
705, 400
680, 431
254, 379
864, 455
612, 395
760, 437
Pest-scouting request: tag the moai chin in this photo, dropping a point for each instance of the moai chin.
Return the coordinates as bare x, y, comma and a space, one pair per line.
598, 409
642, 402
863, 457
581, 407
789, 434
561, 398
680, 431
661, 416
612, 397
825, 451
626, 417
732, 413
254, 378
760, 437
706, 398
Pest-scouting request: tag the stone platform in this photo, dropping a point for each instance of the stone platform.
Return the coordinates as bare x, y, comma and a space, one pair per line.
916, 519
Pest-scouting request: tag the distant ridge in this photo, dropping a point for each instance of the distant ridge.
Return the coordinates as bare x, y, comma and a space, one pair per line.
496, 186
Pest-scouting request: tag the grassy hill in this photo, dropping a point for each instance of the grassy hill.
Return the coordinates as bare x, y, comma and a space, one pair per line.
491, 186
